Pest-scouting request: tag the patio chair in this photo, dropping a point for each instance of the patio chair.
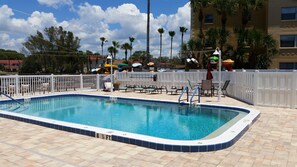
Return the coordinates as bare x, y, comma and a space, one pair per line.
44, 87
172, 90
11, 90
25, 88
108, 86
224, 88
206, 87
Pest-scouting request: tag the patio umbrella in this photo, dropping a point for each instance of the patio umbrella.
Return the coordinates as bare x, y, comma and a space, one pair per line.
136, 64
122, 65
209, 74
150, 63
214, 58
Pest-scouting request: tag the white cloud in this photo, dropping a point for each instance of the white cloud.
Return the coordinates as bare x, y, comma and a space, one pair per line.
114, 23
55, 3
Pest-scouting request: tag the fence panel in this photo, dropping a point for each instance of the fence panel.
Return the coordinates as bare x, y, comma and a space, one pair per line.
274, 89
241, 85
89, 81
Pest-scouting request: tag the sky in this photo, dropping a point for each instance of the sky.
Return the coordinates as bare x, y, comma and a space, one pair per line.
116, 20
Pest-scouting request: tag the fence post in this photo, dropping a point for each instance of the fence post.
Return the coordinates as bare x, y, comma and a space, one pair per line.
81, 82
293, 89
255, 91
52, 83
17, 81
98, 82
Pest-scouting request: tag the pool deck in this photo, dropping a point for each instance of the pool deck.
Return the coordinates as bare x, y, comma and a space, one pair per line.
270, 141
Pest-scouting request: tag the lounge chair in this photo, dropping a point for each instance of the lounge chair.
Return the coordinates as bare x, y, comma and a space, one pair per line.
151, 89
172, 90
125, 88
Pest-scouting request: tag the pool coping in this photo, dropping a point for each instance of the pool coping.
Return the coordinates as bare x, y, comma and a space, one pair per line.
224, 140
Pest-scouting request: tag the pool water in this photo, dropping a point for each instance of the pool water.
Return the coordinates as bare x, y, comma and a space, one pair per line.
151, 118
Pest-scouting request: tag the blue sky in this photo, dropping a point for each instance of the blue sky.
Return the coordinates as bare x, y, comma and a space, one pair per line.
92, 19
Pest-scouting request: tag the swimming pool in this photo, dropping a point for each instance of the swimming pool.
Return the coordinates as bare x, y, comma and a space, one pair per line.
160, 125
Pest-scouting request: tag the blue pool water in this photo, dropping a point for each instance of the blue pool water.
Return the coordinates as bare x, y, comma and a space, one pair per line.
151, 118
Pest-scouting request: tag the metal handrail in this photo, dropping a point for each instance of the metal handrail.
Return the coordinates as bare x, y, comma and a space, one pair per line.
185, 89
6, 95
194, 92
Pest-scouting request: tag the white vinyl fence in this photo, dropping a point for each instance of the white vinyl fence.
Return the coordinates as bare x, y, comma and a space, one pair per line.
277, 89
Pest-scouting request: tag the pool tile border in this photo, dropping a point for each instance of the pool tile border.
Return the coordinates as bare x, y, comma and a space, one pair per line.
59, 125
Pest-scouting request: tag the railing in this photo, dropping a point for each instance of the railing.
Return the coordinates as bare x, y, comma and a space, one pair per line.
264, 88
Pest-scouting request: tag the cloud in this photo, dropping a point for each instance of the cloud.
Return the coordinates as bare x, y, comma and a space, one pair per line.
55, 3
113, 23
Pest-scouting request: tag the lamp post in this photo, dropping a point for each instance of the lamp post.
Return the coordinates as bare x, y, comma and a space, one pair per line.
111, 78
218, 53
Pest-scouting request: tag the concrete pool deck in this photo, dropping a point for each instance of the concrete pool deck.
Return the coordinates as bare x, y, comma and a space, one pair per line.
270, 141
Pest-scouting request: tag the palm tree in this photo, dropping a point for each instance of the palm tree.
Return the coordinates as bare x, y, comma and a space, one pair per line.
225, 8
148, 30
115, 45
110, 50
103, 40
262, 49
200, 5
182, 30
247, 6
131, 39
171, 34
126, 46
161, 31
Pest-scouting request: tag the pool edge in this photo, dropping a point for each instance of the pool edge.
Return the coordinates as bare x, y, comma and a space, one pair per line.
94, 132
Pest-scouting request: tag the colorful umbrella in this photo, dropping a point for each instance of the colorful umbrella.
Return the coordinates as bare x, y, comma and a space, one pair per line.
122, 65
215, 58
136, 64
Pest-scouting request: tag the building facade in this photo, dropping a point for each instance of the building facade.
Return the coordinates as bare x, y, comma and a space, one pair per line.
277, 18
282, 25
11, 65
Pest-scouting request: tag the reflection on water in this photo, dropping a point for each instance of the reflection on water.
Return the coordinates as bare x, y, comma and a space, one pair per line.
164, 120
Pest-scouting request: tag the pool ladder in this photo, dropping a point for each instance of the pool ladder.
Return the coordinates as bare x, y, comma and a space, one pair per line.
186, 90
17, 102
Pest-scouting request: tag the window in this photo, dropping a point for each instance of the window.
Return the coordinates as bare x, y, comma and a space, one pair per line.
289, 13
288, 40
289, 65
208, 19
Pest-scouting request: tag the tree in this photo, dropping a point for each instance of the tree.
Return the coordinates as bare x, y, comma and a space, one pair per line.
224, 8
126, 47
182, 30
115, 45
131, 39
262, 48
161, 31
247, 6
171, 34
10, 55
111, 50
103, 40
200, 5
140, 55
56, 50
